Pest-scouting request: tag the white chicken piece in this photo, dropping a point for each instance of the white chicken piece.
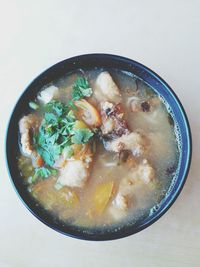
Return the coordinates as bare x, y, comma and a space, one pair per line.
106, 89
27, 124
48, 94
75, 171
134, 141
74, 174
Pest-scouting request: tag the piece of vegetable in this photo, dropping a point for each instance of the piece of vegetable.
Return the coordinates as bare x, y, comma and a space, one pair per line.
41, 173
39, 161
57, 107
101, 197
79, 125
77, 148
58, 132
44, 172
33, 105
82, 136
88, 113
54, 132
81, 89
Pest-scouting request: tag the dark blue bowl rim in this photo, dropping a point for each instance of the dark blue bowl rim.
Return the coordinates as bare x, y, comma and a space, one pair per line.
123, 233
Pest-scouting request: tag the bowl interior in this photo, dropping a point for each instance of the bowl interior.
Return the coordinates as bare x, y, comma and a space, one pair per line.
88, 62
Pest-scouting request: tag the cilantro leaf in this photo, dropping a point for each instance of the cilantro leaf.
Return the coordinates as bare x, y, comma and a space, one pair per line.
50, 118
42, 173
81, 88
81, 136
46, 155
56, 107
56, 133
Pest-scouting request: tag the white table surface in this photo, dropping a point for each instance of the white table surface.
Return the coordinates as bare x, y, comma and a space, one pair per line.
164, 35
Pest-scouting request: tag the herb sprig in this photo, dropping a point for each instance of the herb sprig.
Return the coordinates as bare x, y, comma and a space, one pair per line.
57, 134
41, 173
81, 89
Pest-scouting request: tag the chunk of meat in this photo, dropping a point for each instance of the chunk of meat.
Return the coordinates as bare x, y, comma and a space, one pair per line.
108, 123
135, 142
113, 122
106, 89
115, 131
116, 134
80, 152
48, 94
75, 172
143, 172
27, 125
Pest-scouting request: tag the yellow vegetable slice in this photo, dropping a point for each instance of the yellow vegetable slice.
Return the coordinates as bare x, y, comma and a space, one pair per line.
101, 197
88, 113
79, 125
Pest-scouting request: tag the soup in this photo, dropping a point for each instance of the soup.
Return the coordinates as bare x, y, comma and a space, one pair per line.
99, 148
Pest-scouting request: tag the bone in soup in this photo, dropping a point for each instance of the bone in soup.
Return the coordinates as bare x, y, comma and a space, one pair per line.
98, 148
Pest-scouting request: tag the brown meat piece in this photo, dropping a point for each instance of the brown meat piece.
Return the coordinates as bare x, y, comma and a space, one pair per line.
135, 142
27, 125
113, 122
